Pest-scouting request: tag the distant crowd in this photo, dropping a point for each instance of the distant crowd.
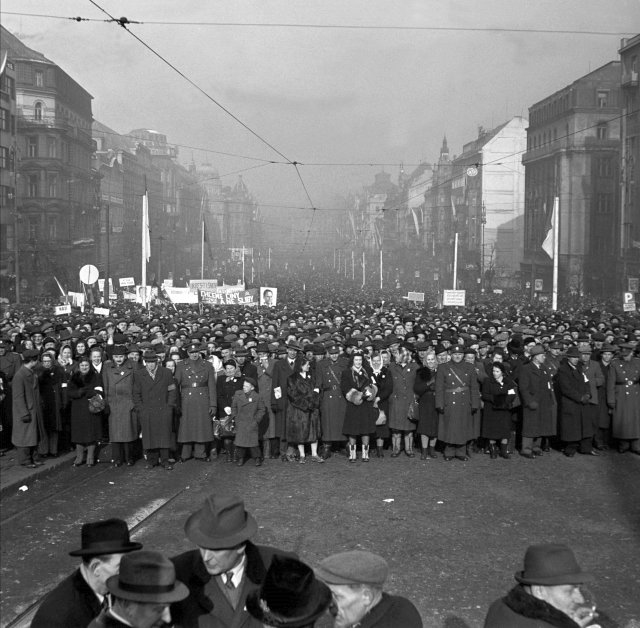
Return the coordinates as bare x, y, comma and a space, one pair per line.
328, 371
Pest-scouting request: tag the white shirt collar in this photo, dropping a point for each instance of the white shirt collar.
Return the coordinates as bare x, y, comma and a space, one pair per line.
237, 571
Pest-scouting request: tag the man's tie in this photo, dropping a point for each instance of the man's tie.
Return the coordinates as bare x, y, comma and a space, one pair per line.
229, 580
105, 603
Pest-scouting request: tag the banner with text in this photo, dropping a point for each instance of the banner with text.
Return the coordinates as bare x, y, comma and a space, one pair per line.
211, 285
244, 297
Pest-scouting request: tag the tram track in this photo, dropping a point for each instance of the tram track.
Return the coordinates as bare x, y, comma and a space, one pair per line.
136, 523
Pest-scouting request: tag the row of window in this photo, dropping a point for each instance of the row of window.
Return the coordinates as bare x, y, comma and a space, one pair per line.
553, 108
542, 139
35, 224
7, 121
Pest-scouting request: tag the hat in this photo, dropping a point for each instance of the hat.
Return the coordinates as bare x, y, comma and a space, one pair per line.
30, 354
147, 576
194, 347
333, 349
290, 595
608, 347
353, 567
119, 350
105, 537
263, 347
551, 564
440, 348
572, 352
293, 345
457, 349
150, 356
221, 523
536, 350
252, 381
556, 344
622, 345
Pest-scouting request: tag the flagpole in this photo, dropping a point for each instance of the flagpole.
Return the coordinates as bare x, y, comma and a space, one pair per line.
143, 235
455, 263
556, 250
364, 263
202, 249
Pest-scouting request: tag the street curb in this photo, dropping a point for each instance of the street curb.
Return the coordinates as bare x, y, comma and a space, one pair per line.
35, 474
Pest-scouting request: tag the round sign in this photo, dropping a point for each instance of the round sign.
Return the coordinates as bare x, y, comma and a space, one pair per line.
88, 274
472, 171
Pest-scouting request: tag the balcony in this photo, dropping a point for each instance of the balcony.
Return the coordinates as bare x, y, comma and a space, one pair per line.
629, 79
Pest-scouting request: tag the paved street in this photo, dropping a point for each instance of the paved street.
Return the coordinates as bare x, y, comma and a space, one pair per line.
453, 534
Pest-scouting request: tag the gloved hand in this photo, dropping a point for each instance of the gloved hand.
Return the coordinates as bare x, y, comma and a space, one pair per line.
585, 398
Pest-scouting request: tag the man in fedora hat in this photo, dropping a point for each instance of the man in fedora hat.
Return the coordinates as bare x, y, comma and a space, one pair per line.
356, 579
142, 592
547, 594
80, 597
224, 569
282, 369
290, 596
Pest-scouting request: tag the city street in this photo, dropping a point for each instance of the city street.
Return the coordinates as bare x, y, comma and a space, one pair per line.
454, 533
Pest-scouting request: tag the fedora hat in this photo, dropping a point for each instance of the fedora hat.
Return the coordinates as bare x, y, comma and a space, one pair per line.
290, 595
147, 576
221, 523
551, 564
105, 537
572, 352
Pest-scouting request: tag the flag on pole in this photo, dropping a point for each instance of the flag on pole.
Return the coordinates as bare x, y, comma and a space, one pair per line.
547, 244
64, 294
415, 221
146, 239
453, 208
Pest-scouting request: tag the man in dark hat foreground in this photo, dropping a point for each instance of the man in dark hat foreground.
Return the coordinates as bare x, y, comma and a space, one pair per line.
142, 592
224, 569
549, 593
80, 597
356, 579
290, 596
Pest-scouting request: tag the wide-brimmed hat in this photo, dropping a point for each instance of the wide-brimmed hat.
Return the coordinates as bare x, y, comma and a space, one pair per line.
290, 595
105, 537
551, 564
147, 576
293, 345
572, 352
221, 523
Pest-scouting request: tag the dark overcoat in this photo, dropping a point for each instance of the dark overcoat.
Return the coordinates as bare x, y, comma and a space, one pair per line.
497, 412
107, 620
155, 400
51, 381
118, 388
458, 394
623, 395
384, 382
402, 396
282, 369
303, 414
265, 373
392, 611
248, 411
197, 383
27, 409
575, 421
332, 402
199, 610
425, 389
72, 604
539, 409
86, 427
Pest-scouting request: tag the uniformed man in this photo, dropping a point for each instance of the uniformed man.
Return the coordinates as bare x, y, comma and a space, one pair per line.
196, 381
332, 403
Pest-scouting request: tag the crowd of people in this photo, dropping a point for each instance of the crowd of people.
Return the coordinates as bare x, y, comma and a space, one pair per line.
318, 375
228, 580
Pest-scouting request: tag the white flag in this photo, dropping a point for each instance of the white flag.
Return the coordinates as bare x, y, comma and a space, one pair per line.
547, 244
146, 240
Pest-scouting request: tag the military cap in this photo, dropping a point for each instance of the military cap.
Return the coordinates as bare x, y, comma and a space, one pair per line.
353, 567
194, 347
30, 354
457, 349
536, 350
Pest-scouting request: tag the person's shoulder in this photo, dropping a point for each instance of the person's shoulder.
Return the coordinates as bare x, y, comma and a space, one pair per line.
61, 607
186, 562
397, 611
267, 552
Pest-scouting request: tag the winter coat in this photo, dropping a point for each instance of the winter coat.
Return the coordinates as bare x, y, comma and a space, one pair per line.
303, 415
623, 395
402, 396
86, 427
575, 420
358, 419
458, 395
28, 421
282, 369
496, 414
265, 373
384, 382
118, 390
196, 381
248, 411
332, 402
51, 381
155, 400
425, 389
392, 611
539, 408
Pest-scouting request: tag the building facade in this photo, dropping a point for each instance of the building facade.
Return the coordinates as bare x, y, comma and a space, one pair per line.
573, 152
56, 192
629, 224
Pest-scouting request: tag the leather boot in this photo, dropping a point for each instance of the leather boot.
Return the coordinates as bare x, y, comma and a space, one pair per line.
408, 445
91, 452
240, 456
326, 451
365, 453
228, 455
379, 452
431, 452
79, 455
493, 451
266, 446
352, 453
256, 454
504, 451
424, 455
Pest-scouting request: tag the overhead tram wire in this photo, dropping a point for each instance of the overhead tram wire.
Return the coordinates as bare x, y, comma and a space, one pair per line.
372, 27
123, 22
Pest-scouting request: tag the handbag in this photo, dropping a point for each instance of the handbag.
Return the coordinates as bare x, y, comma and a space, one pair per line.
413, 413
515, 402
382, 418
97, 404
224, 428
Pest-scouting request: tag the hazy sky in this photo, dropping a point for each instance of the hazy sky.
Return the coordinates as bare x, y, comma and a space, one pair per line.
331, 95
